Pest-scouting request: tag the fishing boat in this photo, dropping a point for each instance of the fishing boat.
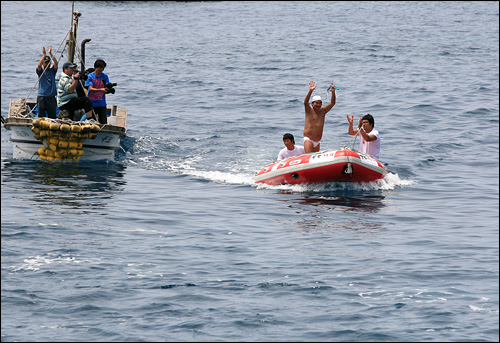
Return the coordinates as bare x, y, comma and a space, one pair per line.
49, 141
325, 166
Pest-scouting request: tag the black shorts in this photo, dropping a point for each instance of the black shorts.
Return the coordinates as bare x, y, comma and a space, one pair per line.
47, 106
102, 114
76, 104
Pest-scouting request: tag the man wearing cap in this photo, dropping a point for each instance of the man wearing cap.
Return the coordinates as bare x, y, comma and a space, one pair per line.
67, 98
290, 148
315, 118
47, 90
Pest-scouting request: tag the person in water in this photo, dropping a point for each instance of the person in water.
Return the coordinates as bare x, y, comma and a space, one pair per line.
290, 148
369, 137
315, 118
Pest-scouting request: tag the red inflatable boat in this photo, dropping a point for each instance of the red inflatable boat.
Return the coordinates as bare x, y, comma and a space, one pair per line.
323, 166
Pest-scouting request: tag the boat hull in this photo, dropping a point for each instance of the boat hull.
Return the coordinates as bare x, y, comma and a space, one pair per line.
321, 167
25, 146
101, 148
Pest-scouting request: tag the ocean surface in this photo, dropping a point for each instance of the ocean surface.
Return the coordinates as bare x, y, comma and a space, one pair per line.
175, 242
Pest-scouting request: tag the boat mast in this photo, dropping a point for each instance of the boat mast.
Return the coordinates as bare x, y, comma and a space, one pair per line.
73, 37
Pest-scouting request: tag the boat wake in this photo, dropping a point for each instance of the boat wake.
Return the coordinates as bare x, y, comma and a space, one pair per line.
389, 182
153, 154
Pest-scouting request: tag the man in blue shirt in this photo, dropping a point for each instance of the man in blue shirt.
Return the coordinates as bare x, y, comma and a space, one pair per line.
96, 83
47, 90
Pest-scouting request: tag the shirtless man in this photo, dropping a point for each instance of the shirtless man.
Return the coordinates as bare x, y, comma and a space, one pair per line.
315, 118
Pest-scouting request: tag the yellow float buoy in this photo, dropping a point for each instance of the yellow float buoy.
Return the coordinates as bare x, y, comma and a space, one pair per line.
36, 122
61, 153
63, 144
44, 125
65, 128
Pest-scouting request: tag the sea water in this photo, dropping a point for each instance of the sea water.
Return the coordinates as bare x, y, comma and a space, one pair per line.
175, 242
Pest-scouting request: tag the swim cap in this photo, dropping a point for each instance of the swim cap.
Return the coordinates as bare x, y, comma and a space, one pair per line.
316, 98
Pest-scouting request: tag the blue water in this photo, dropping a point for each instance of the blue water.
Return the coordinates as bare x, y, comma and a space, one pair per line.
175, 242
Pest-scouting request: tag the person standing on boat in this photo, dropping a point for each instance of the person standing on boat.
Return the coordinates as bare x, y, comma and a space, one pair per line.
290, 148
96, 83
315, 118
370, 138
67, 97
47, 89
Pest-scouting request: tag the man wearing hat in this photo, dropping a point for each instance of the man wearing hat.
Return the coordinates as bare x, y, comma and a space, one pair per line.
47, 90
67, 98
315, 118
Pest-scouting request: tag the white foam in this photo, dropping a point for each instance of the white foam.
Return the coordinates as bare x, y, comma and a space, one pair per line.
38, 262
223, 177
389, 182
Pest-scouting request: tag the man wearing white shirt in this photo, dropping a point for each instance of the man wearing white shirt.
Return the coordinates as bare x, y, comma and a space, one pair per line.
290, 148
369, 137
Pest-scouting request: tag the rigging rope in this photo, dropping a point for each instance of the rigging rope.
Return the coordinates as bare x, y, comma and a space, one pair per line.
352, 139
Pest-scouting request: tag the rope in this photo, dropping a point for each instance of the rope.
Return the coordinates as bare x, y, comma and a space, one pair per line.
349, 166
352, 139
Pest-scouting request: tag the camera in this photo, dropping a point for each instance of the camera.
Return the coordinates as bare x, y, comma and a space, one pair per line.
109, 88
84, 74
80, 77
